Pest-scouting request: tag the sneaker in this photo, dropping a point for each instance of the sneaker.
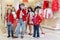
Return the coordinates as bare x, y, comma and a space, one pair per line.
30, 34
22, 37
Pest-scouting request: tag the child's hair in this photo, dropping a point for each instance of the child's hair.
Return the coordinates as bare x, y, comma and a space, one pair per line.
30, 9
8, 10
23, 4
20, 5
37, 8
13, 8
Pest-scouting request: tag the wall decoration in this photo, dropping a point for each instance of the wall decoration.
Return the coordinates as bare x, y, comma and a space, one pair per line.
55, 5
45, 4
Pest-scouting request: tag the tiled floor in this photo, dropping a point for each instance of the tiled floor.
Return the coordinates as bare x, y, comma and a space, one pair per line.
49, 35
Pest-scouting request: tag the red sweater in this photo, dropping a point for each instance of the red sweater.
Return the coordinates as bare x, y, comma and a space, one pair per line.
37, 20
18, 14
10, 18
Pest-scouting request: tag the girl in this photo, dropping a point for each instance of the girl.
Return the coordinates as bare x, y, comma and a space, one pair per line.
29, 19
14, 14
36, 21
10, 19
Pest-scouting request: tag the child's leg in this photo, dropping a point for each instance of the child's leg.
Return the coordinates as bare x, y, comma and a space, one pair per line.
34, 34
26, 28
12, 33
30, 29
38, 32
17, 29
23, 29
12, 30
8, 30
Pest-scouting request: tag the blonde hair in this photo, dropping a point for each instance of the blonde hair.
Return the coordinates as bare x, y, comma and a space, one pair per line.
13, 8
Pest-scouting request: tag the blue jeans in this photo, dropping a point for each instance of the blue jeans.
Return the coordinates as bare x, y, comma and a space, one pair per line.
21, 24
36, 31
10, 29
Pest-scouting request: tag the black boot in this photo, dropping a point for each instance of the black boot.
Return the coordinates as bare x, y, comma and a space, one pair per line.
8, 36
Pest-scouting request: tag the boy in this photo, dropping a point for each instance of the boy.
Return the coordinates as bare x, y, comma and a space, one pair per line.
36, 21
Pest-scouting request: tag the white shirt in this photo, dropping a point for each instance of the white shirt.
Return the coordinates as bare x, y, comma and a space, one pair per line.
31, 16
21, 14
14, 14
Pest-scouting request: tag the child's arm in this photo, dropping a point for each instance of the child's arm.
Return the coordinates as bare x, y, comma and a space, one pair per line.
27, 17
6, 16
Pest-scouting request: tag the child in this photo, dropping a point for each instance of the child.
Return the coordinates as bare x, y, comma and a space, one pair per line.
36, 21
30, 16
21, 17
10, 19
14, 15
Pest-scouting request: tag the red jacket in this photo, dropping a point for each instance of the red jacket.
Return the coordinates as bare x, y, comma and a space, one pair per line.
37, 20
10, 18
23, 17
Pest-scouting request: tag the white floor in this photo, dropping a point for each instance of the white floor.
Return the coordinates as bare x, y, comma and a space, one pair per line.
49, 35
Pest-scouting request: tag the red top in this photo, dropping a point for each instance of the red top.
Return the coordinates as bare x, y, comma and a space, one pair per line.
37, 20
10, 18
23, 17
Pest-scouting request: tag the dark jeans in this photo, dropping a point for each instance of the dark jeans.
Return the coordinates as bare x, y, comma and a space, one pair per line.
36, 31
10, 29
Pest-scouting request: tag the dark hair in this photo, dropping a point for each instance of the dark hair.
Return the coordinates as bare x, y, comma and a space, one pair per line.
30, 8
20, 5
37, 8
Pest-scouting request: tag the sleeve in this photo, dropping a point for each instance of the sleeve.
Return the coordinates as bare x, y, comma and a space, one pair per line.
6, 16
40, 19
17, 14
